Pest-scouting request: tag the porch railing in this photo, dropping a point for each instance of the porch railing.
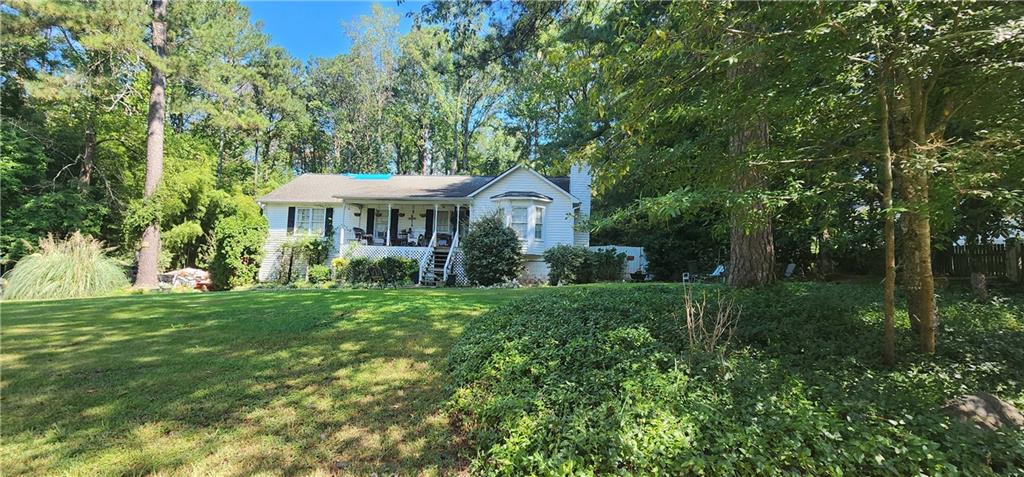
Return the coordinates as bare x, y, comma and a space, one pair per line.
428, 257
451, 253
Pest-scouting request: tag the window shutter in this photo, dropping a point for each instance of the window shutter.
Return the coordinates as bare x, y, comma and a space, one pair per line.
291, 220
328, 221
429, 226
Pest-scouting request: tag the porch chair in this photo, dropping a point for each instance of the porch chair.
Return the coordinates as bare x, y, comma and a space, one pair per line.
358, 232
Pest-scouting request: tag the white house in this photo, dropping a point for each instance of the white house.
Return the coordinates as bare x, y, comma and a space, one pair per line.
421, 217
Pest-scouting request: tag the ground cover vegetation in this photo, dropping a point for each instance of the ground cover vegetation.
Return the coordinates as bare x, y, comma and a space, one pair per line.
610, 379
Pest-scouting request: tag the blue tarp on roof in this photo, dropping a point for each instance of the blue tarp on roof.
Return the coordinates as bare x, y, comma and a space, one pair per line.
377, 177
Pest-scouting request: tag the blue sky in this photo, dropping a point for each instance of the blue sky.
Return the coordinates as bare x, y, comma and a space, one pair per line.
313, 28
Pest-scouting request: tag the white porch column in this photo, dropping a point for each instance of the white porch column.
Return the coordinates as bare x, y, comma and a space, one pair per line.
433, 237
457, 210
388, 222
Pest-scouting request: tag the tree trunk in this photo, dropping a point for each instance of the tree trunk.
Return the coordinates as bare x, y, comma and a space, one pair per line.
425, 150
88, 155
399, 159
256, 168
751, 246
455, 149
915, 169
220, 157
889, 328
466, 137
918, 279
149, 253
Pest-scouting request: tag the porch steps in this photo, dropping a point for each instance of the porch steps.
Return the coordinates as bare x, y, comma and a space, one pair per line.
435, 270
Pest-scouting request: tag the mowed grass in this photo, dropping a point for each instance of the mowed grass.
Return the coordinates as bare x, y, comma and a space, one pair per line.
238, 383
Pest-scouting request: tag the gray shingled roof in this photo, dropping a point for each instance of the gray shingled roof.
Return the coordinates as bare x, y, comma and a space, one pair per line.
513, 194
335, 187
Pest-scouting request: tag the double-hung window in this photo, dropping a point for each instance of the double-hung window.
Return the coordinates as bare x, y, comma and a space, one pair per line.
538, 223
309, 220
519, 221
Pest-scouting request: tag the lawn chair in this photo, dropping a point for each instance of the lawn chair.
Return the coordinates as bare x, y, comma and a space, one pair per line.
789, 270
718, 273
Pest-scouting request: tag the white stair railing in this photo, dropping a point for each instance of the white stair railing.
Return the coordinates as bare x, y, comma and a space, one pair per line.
427, 259
448, 260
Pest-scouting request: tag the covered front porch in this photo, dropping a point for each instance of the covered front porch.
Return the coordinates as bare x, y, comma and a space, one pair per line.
427, 232
402, 224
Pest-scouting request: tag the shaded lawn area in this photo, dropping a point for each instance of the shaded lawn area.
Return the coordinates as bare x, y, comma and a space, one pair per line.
292, 382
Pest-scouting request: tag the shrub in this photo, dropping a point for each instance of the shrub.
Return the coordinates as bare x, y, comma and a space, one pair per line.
238, 249
318, 274
359, 270
72, 268
396, 270
609, 265
592, 381
568, 264
492, 252
572, 264
339, 266
301, 251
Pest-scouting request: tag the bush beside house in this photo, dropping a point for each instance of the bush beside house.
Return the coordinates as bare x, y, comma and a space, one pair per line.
238, 249
492, 251
571, 264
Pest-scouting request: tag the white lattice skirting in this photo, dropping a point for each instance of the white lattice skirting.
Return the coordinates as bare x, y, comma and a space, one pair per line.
377, 252
457, 268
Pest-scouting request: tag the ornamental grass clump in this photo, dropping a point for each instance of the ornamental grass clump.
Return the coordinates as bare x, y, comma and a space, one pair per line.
72, 268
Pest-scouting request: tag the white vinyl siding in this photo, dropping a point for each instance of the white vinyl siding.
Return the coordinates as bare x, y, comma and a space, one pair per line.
558, 218
277, 231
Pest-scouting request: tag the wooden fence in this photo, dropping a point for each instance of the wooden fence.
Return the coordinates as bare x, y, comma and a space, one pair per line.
994, 260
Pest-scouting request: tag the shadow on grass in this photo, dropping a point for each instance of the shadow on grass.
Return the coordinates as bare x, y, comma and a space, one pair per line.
232, 383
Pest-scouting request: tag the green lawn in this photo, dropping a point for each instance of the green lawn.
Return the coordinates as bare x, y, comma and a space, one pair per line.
294, 382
